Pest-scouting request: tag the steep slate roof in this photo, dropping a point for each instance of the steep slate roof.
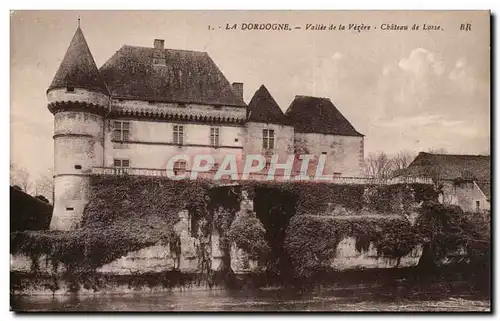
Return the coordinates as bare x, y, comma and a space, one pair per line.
264, 109
485, 187
318, 115
468, 167
187, 77
78, 68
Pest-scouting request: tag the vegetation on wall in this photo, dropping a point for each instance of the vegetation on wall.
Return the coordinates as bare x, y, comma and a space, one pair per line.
311, 240
448, 230
447, 233
295, 224
123, 198
124, 214
397, 198
314, 196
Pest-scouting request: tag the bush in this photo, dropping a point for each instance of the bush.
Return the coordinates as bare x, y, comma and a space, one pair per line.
248, 233
448, 229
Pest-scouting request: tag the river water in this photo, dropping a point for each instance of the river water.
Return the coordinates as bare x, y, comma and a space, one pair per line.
333, 299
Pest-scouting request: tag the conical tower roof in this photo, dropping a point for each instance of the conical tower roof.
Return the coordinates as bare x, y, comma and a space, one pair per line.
78, 68
264, 109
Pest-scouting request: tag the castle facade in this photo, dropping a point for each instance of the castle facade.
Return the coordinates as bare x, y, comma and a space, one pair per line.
145, 105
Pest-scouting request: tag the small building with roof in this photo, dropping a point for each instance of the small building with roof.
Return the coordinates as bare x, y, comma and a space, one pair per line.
147, 104
320, 128
463, 180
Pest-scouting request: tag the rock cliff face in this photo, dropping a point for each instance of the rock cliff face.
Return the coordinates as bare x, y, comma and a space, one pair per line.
160, 258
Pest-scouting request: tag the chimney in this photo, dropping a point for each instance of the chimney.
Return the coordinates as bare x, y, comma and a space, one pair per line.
238, 89
159, 44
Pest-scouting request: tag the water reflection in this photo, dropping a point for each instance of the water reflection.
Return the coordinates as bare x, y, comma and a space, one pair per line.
353, 299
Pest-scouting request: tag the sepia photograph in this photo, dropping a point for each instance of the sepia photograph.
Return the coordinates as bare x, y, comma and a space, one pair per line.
257, 161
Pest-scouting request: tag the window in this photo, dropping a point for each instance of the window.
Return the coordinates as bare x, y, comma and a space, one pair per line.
78, 166
179, 167
69, 208
214, 136
268, 139
70, 89
121, 130
478, 206
178, 134
324, 153
121, 165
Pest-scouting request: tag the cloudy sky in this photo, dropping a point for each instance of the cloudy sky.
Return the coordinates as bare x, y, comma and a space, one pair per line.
404, 90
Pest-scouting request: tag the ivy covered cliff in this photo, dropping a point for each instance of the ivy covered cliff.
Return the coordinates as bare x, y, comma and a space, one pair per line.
289, 230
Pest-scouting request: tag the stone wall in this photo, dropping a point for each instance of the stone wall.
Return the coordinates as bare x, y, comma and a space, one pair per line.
344, 154
465, 195
158, 258
151, 143
283, 139
348, 258
77, 148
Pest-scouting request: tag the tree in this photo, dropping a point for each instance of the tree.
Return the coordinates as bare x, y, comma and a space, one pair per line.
402, 160
446, 229
20, 176
378, 165
44, 185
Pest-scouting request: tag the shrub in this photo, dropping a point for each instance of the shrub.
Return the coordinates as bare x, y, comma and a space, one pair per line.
248, 233
448, 229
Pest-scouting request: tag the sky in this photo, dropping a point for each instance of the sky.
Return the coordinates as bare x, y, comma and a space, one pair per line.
404, 90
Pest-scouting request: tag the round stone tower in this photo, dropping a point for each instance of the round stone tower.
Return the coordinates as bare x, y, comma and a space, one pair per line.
78, 98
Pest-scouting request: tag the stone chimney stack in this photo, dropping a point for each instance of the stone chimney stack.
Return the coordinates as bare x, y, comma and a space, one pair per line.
159, 44
238, 89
